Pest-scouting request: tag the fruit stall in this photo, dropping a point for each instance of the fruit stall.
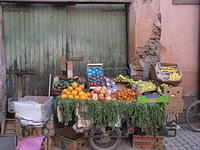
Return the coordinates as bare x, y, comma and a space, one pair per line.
119, 102
99, 111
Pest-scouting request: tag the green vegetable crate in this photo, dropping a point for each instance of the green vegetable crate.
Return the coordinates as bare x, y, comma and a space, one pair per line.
153, 98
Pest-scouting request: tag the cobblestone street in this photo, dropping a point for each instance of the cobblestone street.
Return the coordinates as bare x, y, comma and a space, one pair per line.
184, 140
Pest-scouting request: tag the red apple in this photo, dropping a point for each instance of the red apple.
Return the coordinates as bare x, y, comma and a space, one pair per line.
101, 97
95, 97
97, 90
114, 99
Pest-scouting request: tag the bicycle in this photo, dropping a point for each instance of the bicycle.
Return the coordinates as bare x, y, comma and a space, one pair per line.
192, 116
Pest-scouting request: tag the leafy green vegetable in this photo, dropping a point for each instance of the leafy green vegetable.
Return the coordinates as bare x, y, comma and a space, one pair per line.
147, 116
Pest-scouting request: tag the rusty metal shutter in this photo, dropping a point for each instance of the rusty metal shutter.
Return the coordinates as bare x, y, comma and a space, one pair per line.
37, 35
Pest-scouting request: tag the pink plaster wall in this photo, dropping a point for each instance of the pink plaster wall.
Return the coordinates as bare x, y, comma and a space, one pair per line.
180, 41
146, 14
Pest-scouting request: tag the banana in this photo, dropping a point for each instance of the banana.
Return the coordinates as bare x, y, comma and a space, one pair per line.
174, 76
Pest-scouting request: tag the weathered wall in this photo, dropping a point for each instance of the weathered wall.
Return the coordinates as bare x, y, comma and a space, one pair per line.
2, 74
179, 41
147, 36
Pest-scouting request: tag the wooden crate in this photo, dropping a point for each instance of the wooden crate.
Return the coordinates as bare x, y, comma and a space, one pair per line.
69, 144
48, 143
148, 142
8, 126
47, 129
68, 139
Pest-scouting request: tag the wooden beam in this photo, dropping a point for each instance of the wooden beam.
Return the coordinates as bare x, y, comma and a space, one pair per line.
3, 96
186, 2
75, 58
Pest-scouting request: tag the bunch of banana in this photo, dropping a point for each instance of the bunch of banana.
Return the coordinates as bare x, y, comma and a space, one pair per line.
174, 76
121, 78
164, 85
145, 86
169, 69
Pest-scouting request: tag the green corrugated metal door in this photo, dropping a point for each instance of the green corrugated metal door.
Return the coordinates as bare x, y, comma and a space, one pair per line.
37, 35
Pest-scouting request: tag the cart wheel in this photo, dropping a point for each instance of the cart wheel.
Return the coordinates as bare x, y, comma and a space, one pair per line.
193, 116
104, 138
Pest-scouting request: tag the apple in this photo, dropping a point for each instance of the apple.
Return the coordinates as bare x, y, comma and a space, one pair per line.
97, 90
102, 91
95, 97
108, 98
108, 94
114, 99
101, 97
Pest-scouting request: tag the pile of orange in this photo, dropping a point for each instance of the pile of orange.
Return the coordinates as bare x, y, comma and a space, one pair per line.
127, 95
75, 91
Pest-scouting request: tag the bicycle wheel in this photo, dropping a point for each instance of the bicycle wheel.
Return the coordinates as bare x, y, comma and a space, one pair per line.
105, 138
193, 116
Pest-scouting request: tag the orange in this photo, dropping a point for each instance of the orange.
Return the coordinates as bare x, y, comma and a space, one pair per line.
70, 96
76, 97
86, 97
82, 86
74, 93
81, 93
64, 91
70, 88
82, 97
74, 85
63, 96
67, 93
78, 89
88, 94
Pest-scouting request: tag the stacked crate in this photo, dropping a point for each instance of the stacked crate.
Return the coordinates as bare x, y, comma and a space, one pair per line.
46, 130
175, 103
173, 108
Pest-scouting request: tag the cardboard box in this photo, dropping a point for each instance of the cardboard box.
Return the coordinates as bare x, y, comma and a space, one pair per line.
148, 142
41, 108
174, 105
174, 92
68, 139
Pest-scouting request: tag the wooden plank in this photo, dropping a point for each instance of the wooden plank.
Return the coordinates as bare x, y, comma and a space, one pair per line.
2, 71
75, 58
186, 2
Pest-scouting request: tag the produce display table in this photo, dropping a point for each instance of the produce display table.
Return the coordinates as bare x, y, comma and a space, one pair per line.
144, 115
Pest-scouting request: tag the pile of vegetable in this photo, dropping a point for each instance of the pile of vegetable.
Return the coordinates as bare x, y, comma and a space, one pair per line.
150, 115
61, 84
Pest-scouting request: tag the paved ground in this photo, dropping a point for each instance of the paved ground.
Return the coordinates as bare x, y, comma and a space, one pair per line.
185, 140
